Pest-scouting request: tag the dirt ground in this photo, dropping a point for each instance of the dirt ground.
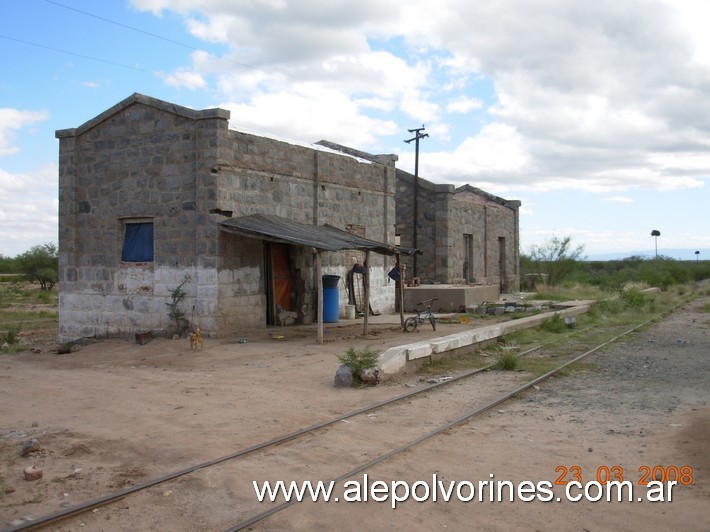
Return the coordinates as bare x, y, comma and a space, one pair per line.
115, 413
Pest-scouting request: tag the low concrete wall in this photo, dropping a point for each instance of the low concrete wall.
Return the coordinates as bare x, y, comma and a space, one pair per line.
449, 298
397, 359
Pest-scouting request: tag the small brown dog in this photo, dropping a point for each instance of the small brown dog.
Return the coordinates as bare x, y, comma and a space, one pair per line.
195, 340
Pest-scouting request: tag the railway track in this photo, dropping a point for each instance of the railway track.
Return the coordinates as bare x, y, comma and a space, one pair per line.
315, 452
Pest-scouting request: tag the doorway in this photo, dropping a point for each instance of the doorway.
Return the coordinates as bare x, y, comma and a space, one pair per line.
279, 281
468, 258
502, 271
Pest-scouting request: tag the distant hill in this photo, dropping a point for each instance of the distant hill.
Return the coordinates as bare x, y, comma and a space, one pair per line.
678, 254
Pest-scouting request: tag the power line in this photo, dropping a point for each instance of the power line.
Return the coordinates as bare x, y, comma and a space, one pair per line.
148, 33
155, 35
75, 54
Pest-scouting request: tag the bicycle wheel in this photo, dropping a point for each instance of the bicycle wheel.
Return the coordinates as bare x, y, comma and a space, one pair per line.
410, 324
432, 320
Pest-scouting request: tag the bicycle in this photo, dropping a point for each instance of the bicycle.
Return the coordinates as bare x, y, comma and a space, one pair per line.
423, 313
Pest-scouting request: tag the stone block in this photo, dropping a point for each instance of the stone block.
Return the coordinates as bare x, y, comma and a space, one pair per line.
393, 360
343, 377
418, 350
453, 341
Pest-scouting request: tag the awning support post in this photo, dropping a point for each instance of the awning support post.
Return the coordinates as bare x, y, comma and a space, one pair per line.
319, 284
367, 292
399, 283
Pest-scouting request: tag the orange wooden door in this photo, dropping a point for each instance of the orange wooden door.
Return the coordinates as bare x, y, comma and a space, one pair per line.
281, 275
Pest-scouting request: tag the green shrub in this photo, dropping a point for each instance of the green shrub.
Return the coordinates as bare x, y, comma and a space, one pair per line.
662, 272
609, 307
10, 336
516, 337
508, 361
359, 360
44, 297
556, 258
40, 264
554, 324
7, 278
634, 298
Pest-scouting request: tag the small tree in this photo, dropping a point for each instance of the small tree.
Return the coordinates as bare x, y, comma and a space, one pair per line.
359, 360
556, 258
7, 264
175, 312
41, 264
655, 234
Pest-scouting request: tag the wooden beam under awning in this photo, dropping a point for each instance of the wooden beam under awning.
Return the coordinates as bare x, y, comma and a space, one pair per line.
321, 238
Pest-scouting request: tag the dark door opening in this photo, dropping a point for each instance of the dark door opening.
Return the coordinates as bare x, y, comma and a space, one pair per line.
502, 272
468, 258
279, 282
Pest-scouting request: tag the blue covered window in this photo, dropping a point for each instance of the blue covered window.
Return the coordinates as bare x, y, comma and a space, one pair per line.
138, 242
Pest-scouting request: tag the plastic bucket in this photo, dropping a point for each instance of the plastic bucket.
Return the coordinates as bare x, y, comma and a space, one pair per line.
349, 312
330, 298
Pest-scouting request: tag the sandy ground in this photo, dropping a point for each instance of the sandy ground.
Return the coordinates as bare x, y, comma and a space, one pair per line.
114, 413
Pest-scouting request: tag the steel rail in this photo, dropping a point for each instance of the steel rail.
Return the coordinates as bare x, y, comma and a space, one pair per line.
86, 506
476, 411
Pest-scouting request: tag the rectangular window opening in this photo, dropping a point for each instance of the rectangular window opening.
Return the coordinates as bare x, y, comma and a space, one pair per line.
138, 242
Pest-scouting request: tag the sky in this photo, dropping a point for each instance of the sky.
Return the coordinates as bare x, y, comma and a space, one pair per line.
595, 115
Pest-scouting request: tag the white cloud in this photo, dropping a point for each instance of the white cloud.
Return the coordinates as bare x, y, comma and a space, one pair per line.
518, 97
464, 105
693, 15
183, 78
298, 114
587, 95
28, 209
12, 120
606, 89
497, 151
545, 99
620, 199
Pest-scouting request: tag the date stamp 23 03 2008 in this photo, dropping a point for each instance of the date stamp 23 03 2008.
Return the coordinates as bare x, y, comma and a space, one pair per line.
598, 484
682, 475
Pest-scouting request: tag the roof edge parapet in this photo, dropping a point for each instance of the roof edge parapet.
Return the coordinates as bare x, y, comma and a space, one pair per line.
452, 189
437, 188
512, 204
145, 100
388, 159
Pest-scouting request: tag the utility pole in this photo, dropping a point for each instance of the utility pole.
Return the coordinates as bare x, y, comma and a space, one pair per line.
417, 135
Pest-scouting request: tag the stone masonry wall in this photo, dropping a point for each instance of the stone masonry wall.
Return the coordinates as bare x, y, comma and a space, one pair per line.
135, 162
430, 220
469, 214
184, 170
310, 185
445, 215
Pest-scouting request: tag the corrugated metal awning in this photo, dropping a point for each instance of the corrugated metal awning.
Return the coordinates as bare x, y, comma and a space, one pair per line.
322, 237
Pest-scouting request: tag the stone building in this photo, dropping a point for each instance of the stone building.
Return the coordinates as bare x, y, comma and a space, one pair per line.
474, 234
152, 194
469, 240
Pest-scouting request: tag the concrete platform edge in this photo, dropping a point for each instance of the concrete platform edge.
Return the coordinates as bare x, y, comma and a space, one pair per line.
397, 359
